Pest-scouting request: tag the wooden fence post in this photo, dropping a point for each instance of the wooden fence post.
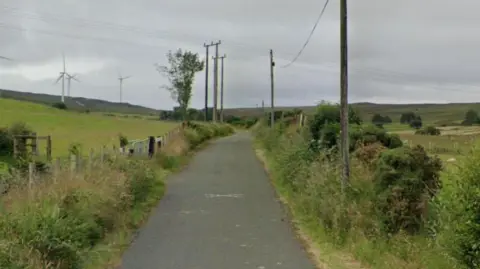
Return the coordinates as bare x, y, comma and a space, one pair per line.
49, 148
31, 174
151, 146
34, 144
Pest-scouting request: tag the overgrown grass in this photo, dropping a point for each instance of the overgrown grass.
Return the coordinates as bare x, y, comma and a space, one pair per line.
347, 226
66, 127
87, 221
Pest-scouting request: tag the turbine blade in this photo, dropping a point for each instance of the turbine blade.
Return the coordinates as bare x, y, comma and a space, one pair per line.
5, 58
127, 77
59, 78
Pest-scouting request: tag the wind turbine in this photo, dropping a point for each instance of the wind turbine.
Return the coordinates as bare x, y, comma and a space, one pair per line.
121, 79
69, 78
62, 77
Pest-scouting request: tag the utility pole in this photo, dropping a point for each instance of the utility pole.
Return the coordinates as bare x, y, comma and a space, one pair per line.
215, 82
272, 90
344, 93
221, 88
207, 59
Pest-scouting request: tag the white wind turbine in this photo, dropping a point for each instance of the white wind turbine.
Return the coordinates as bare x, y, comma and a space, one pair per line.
69, 78
62, 77
121, 79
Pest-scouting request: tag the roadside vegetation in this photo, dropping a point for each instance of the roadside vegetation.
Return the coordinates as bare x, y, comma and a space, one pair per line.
88, 220
404, 207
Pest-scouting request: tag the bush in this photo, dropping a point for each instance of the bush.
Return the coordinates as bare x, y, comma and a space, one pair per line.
329, 114
6, 139
416, 123
62, 106
471, 117
123, 140
458, 206
430, 130
6, 142
408, 117
365, 135
405, 180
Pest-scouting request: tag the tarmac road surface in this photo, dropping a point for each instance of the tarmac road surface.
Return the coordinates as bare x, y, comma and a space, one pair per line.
220, 212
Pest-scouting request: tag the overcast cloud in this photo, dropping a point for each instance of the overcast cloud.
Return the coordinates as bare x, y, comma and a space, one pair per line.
400, 51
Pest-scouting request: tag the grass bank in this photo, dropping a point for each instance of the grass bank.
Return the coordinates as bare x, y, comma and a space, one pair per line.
68, 127
374, 223
87, 221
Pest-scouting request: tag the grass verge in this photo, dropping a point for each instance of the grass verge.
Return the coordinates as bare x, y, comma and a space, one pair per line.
343, 230
88, 221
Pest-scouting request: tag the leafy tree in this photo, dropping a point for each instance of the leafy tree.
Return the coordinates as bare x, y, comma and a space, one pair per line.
330, 114
471, 117
181, 72
416, 123
407, 117
387, 119
378, 120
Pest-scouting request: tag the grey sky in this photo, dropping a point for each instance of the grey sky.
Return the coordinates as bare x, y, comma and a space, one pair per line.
400, 51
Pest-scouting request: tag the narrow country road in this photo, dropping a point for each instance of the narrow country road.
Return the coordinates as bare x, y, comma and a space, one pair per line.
219, 213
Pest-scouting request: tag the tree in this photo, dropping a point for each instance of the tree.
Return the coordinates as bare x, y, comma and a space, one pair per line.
416, 123
407, 117
471, 117
181, 72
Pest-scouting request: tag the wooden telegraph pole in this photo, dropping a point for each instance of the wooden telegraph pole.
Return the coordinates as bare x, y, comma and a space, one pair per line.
221, 87
207, 46
215, 82
344, 93
272, 91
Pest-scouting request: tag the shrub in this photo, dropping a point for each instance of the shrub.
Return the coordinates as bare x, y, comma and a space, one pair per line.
429, 130
329, 114
60, 106
408, 117
7, 145
369, 153
416, 123
364, 135
405, 180
458, 206
471, 117
6, 142
75, 149
379, 120
123, 140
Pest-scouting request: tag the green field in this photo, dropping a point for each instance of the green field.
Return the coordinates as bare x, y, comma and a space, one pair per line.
66, 127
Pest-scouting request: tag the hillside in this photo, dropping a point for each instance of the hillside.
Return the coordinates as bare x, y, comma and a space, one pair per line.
80, 103
70, 127
434, 113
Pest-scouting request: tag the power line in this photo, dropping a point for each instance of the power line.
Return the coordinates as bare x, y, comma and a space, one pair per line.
309, 37
96, 24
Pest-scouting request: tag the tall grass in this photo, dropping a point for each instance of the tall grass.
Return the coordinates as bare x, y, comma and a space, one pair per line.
86, 221
349, 221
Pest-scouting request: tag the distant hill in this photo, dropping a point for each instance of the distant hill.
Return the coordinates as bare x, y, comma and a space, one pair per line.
433, 113
80, 103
